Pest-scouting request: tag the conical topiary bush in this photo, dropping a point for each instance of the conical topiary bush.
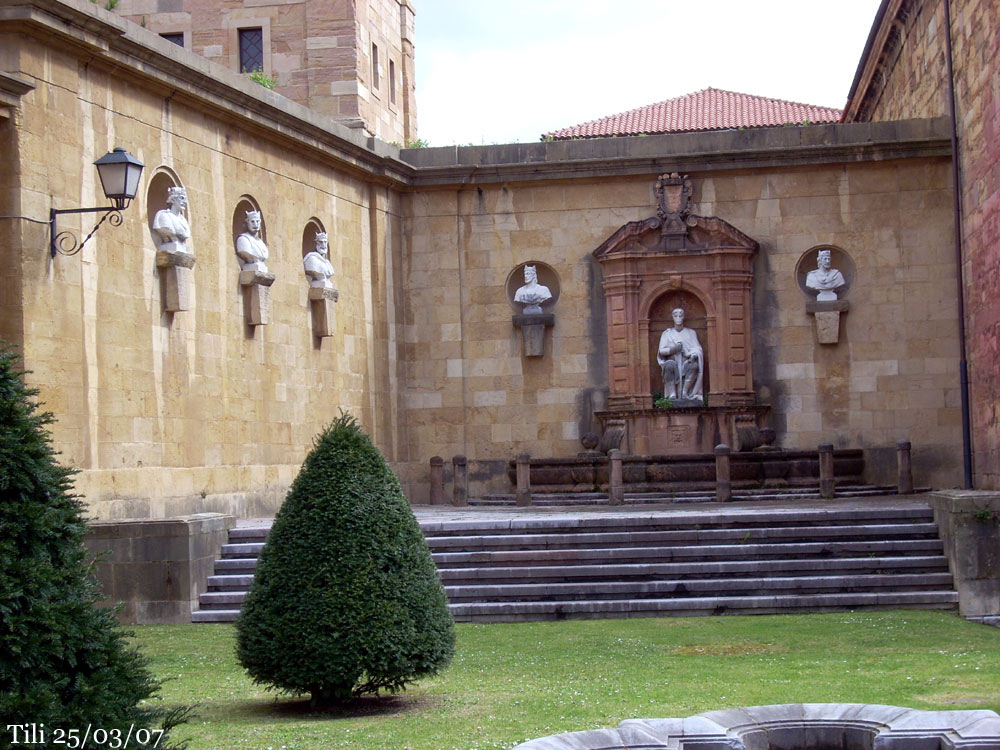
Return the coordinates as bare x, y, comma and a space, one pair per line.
346, 599
64, 663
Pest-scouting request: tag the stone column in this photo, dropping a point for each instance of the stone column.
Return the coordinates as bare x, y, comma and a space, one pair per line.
827, 483
904, 481
460, 481
437, 480
723, 484
257, 297
178, 279
523, 496
616, 490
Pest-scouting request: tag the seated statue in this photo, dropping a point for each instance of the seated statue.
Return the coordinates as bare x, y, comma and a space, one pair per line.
170, 227
824, 279
681, 362
250, 247
317, 266
532, 294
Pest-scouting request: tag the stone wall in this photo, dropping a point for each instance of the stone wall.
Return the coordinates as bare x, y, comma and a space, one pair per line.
165, 413
893, 375
906, 76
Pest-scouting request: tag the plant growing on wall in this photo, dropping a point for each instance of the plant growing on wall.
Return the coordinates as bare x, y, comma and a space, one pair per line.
346, 599
64, 663
262, 78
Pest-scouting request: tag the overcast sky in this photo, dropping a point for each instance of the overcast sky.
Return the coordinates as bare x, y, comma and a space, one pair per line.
505, 72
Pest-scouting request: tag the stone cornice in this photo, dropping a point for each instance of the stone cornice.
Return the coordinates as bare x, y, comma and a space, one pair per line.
686, 152
12, 88
128, 49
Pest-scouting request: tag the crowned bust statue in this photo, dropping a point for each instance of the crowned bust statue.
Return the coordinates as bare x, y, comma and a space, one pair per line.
317, 265
532, 294
825, 280
250, 247
170, 227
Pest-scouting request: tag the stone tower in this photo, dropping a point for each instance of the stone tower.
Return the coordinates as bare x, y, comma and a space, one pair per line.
351, 60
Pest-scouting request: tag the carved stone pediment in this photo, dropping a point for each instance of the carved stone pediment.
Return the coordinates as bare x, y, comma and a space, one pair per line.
674, 228
698, 233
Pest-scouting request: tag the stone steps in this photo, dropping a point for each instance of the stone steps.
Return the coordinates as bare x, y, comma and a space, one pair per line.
753, 560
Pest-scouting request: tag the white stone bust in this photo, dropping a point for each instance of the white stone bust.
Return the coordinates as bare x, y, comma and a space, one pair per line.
682, 361
317, 265
250, 247
170, 226
824, 279
532, 294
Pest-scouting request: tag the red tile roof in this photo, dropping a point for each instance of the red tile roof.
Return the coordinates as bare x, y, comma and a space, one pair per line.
709, 109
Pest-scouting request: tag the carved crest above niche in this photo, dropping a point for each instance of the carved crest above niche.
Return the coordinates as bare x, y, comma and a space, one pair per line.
674, 228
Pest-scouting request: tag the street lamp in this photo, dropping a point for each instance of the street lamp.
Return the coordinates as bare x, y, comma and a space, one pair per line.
119, 172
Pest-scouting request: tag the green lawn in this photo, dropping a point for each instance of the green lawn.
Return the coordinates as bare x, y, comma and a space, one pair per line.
509, 683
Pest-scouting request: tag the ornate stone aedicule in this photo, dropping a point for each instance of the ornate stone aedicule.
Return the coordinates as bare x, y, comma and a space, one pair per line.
677, 296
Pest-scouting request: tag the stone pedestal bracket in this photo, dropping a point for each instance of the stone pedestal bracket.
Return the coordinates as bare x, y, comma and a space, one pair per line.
178, 278
533, 331
324, 317
827, 315
256, 297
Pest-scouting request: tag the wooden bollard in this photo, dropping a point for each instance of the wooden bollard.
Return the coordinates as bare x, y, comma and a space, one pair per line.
460, 481
723, 483
523, 463
437, 480
616, 488
827, 484
904, 481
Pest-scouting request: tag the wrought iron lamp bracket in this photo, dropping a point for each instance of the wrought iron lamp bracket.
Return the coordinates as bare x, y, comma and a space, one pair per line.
66, 242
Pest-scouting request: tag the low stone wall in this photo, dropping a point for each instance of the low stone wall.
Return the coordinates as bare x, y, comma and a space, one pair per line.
969, 521
694, 471
157, 568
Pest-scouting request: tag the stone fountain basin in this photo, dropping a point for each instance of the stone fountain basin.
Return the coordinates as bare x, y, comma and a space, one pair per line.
793, 726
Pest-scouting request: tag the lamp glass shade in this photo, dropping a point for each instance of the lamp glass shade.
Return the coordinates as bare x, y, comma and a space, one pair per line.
120, 173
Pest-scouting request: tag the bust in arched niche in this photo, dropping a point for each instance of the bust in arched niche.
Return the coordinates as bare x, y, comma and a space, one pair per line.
532, 294
250, 247
824, 280
170, 226
317, 263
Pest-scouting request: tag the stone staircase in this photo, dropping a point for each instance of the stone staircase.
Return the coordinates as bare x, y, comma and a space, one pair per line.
749, 560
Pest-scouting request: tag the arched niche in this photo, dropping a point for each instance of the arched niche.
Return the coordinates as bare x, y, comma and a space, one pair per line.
547, 276
162, 179
247, 203
839, 260
309, 232
661, 317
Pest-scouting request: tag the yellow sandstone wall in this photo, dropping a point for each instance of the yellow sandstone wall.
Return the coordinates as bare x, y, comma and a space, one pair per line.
166, 414
172, 414
470, 391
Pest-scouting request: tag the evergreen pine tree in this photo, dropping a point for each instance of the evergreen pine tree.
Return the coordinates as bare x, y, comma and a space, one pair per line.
346, 599
64, 662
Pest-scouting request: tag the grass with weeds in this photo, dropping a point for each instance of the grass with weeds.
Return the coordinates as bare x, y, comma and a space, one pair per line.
512, 682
